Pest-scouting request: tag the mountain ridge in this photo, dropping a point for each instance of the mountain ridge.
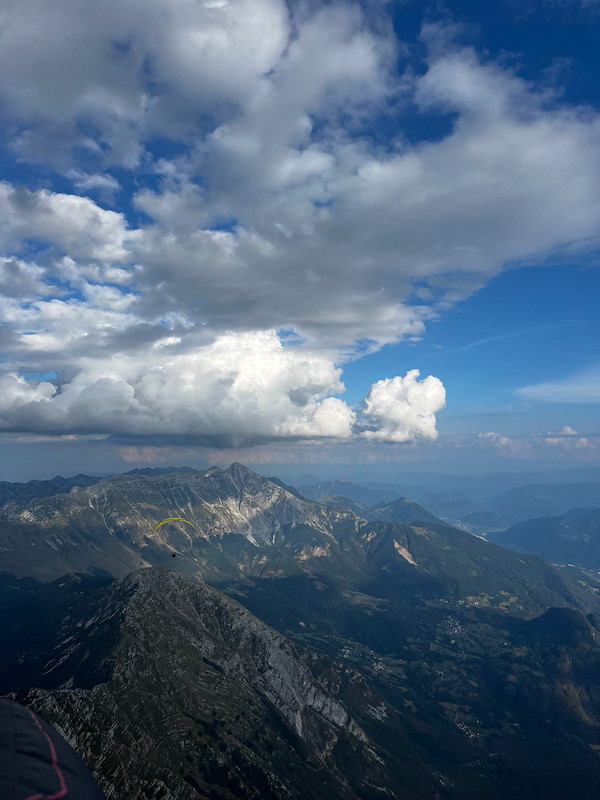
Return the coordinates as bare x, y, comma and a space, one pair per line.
188, 652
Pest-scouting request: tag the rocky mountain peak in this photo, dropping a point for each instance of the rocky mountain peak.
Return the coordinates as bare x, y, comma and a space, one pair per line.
241, 472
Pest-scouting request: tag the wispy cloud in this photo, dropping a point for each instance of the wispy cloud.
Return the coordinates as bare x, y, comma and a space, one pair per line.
516, 334
583, 387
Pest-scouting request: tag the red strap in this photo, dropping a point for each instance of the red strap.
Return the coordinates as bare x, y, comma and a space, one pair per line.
54, 762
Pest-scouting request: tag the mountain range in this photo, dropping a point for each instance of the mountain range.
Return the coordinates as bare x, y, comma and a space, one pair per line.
490, 503
23, 492
293, 648
399, 510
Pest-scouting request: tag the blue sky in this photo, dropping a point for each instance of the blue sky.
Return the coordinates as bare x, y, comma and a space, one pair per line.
299, 233
521, 329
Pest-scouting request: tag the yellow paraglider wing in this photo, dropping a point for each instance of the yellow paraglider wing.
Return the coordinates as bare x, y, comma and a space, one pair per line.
173, 519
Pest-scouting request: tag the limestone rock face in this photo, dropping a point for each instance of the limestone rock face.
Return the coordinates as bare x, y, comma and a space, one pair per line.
108, 526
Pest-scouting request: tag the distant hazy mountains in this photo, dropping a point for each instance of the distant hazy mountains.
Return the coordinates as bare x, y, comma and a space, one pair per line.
451, 504
23, 492
573, 538
369, 659
477, 505
365, 495
400, 510
547, 499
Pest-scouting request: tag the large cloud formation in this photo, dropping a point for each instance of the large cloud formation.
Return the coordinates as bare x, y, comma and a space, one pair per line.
242, 388
266, 232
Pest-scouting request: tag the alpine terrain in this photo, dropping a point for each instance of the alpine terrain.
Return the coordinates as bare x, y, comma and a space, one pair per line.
274, 646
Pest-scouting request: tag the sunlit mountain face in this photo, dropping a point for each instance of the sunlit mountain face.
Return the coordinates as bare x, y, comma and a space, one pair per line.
299, 390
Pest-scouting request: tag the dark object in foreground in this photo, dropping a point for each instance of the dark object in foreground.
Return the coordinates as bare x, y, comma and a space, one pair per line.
35, 762
173, 555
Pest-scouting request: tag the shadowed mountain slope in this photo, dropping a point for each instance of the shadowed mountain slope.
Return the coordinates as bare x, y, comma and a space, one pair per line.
170, 689
573, 538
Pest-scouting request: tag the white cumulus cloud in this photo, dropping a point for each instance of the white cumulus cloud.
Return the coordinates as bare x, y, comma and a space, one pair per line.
240, 388
404, 409
68, 223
